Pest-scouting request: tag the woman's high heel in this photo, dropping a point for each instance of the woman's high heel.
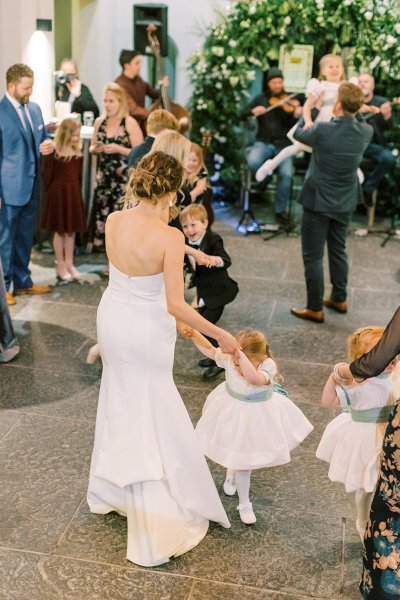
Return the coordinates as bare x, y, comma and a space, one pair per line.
74, 273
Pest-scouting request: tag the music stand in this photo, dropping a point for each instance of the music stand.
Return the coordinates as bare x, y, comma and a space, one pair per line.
247, 222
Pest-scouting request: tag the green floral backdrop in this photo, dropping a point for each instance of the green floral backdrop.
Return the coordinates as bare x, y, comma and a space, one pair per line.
246, 40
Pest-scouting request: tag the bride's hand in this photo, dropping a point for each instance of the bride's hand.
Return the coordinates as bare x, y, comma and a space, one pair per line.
227, 343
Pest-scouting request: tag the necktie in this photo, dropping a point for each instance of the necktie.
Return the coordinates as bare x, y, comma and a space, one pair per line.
28, 129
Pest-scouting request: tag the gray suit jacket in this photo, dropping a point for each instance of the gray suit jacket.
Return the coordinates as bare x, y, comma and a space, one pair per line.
331, 184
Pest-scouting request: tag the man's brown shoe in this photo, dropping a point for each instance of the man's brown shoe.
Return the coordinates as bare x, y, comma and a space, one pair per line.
340, 307
10, 299
309, 315
35, 289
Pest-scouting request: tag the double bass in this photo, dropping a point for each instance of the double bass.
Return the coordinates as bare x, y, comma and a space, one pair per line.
179, 111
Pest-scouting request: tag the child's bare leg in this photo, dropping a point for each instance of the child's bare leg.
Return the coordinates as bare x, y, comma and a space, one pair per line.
61, 268
69, 245
245, 507
270, 165
363, 501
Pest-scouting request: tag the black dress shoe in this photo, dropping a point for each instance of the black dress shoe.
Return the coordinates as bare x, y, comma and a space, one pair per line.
212, 372
282, 218
206, 362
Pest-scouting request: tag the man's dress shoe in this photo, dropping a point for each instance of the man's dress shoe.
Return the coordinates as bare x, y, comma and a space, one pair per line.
340, 307
309, 315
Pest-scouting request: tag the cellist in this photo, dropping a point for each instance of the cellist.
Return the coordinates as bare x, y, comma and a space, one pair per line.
135, 87
273, 126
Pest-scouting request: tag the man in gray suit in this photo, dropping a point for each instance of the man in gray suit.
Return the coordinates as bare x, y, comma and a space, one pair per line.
330, 193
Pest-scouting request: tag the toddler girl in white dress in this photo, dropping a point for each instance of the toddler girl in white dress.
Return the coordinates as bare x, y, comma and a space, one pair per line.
352, 442
248, 422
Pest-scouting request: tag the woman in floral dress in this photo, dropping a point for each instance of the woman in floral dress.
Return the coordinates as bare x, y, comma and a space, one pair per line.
115, 134
381, 573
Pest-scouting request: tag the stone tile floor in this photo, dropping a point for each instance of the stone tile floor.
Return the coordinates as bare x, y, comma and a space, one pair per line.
304, 544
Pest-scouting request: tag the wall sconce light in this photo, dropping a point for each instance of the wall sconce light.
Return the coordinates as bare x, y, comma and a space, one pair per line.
44, 25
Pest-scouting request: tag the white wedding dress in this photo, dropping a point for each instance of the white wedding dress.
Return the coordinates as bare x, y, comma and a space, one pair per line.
147, 464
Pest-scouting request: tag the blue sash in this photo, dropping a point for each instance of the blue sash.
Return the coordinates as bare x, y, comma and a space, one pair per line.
376, 414
260, 396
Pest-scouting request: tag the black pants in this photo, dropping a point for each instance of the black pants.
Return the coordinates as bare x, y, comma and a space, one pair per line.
316, 229
213, 315
7, 335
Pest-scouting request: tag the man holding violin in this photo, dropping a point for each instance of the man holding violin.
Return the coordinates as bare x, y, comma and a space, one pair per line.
276, 114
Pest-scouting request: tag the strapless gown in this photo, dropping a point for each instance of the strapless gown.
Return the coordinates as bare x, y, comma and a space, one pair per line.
147, 464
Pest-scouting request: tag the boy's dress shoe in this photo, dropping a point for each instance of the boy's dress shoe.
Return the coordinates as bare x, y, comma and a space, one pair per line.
10, 299
340, 307
206, 362
212, 372
35, 289
309, 315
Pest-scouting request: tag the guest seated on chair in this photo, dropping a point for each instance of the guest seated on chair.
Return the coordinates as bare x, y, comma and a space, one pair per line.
381, 120
273, 125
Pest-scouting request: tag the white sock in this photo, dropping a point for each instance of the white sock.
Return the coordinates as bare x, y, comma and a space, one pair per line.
243, 486
231, 474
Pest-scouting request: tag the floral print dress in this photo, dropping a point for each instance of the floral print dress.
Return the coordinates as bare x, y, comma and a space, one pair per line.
110, 185
381, 574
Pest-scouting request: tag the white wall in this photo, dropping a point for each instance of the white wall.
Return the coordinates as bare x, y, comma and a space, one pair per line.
101, 28
20, 42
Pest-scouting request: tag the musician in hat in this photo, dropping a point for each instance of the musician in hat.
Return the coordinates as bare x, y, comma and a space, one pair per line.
276, 115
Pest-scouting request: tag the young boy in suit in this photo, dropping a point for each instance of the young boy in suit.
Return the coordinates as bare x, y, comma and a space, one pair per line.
214, 287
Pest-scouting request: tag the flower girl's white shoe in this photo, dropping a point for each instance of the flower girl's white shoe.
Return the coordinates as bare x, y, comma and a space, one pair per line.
246, 513
230, 485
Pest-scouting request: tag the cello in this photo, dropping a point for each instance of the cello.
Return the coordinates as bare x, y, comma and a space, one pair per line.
179, 111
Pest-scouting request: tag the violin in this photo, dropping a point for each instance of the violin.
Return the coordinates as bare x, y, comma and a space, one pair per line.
287, 102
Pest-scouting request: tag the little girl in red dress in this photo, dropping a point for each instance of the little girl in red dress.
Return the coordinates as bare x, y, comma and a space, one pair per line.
63, 212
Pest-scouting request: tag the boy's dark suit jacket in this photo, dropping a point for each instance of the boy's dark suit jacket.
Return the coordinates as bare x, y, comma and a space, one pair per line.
214, 284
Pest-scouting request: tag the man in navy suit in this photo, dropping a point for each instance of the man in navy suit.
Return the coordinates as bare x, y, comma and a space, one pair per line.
23, 138
329, 195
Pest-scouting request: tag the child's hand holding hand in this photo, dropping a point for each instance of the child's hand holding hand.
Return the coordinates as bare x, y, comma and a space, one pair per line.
184, 329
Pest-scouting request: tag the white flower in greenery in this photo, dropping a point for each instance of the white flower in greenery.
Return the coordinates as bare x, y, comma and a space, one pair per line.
251, 75
218, 85
319, 4
391, 40
397, 28
244, 24
368, 15
240, 60
348, 2
230, 60
287, 20
222, 139
374, 63
252, 9
217, 50
320, 19
233, 80
232, 43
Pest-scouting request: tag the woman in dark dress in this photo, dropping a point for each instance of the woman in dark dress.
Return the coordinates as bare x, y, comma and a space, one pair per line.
115, 134
63, 207
381, 573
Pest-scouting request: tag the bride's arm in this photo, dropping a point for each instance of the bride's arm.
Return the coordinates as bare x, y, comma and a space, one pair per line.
174, 289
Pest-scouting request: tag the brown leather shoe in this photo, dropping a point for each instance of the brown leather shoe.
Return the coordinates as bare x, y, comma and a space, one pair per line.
35, 289
309, 315
340, 307
10, 299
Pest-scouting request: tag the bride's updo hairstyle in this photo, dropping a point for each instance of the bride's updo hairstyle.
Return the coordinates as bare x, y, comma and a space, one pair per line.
156, 175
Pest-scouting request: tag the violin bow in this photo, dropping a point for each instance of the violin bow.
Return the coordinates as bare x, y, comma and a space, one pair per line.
280, 102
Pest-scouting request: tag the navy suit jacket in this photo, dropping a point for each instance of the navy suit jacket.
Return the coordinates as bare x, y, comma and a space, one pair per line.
19, 166
331, 184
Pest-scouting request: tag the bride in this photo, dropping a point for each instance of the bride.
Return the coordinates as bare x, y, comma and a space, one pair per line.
146, 462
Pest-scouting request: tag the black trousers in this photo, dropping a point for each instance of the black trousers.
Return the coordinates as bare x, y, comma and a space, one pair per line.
213, 315
7, 335
316, 230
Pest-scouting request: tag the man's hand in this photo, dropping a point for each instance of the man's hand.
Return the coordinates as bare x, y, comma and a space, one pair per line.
386, 110
259, 110
298, 111
46, 147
